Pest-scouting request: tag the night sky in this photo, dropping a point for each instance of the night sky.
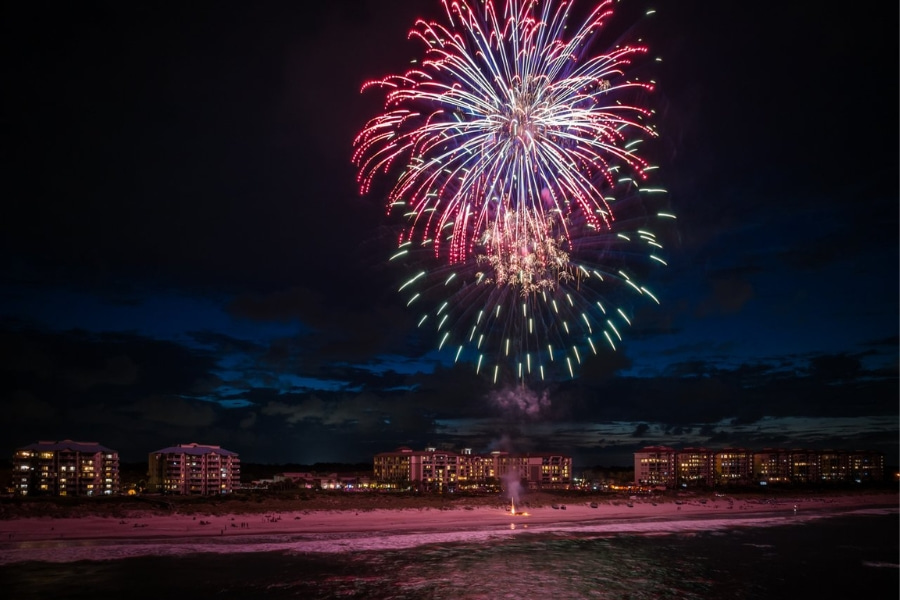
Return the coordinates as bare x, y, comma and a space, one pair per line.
185, 256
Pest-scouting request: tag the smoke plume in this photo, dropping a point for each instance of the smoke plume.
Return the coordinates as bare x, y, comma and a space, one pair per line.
521, 401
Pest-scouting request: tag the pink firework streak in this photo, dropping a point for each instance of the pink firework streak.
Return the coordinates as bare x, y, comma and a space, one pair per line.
505, 128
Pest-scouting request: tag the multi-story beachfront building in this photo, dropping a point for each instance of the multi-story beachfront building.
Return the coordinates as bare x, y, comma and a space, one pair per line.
772, 465
804, 466
834, 465
435, 469
536, 471
866, 466
194, 469
694, 466
732, 466
654, 466
65, 468
664, 466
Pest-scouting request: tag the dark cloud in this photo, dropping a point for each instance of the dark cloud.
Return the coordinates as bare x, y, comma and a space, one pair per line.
832, 368
641, 430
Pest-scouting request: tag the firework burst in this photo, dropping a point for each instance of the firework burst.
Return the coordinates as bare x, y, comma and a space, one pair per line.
540, 312
508, 145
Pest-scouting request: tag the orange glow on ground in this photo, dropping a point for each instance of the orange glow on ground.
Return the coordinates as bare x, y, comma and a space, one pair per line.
513, 512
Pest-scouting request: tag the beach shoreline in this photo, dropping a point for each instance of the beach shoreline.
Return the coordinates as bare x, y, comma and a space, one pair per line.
152, 524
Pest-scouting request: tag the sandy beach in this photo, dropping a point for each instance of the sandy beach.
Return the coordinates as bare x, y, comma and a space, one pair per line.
66, 539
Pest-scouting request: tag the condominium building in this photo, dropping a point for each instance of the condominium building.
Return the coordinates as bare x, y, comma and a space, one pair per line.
834, 466
664, 466
732, 466
804, 466
694, 466
435, 469
772, 465
866, 466
194, 469
655, 466
65, 468
536, 471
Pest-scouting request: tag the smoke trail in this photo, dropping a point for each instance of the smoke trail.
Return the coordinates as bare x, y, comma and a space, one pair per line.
520, 400
512, 482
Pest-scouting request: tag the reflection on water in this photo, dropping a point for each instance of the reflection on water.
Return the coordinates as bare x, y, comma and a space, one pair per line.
835, 557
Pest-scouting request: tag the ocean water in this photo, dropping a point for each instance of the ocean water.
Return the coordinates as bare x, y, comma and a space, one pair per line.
835, 556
